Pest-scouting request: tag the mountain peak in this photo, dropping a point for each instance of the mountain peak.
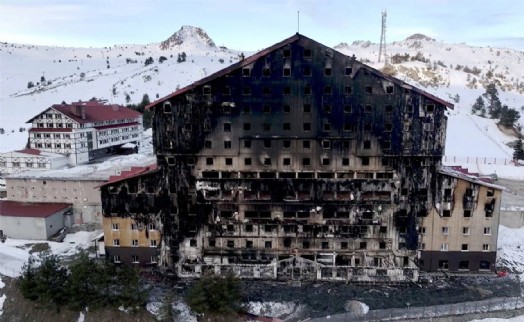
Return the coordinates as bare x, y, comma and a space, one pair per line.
420, 37
189, 35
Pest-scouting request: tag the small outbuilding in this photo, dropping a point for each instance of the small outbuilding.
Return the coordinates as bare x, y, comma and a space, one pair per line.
32, 220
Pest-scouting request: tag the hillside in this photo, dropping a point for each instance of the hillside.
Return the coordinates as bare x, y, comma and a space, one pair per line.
455, 72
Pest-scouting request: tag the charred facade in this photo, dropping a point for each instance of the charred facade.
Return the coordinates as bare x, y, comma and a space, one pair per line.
296, 163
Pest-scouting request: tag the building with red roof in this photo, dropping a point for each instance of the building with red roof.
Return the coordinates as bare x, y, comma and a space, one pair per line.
30, 159
85, 131
32, 220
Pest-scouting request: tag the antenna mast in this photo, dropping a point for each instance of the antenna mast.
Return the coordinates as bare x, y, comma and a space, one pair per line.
382, 48
298, 22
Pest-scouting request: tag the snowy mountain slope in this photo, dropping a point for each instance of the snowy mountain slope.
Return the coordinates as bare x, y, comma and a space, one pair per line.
455, 72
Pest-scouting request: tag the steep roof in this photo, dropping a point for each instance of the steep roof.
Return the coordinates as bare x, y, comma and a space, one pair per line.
279, 45
463, 173
128, 174
92, 111
30, 209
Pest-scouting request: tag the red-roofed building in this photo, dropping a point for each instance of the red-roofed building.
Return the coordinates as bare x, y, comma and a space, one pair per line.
32, 220
84, 131
30, 159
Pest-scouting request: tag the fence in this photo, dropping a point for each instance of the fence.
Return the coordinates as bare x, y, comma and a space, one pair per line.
449, 159
499, 304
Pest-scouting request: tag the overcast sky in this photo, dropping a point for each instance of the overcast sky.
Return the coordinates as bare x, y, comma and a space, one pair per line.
256, 24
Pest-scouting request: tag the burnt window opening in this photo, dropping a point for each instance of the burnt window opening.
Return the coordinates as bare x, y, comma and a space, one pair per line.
246, 72
368, 108
226, 90
430, 108
464, 265
305, 244
490, 193
227, 144
266, 90
246, 110
389, 89
208, 144
246, 90
345, 162
209, 161
249, 228
367, 127
230, 244
409, 108
287, 90
266, 127
326, 161
286, 126
307, 71
326, 144
212, 242
206, 90
268, 244
347, 109
308, 53
247, 144
226, 109
382, 245
306, 144
389, 109
286, 109
348, 90
167, 110
348, 71
489, 208
363, 245
247, 161
247, 126
249, 244
286, 53
348, 127
365, 161
327, 71
446, 213
307, 90
346, 145
344, 245
307, 108
385, 162
386, 145
328, 90
229, 161
267, 143
443, 264
306, 162
383, 229
307, 127
327, 127
266, 72
227, 127
404, 192
467, 213
367, 144
369, 90
327, 109
465, 247
325, 245
286, 72
286, 161
193, 242
286, 144
328, 53
266, 109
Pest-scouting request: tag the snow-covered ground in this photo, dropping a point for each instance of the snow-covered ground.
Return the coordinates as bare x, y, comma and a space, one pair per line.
515, 319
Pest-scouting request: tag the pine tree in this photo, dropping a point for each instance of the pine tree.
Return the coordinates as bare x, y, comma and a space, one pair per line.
508, 116
478, 106
493, 105
518, 152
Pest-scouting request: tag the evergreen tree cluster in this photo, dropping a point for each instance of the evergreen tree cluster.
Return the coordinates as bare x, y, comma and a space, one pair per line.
86, 283
147, 115
489, 103
518, 151
181, 57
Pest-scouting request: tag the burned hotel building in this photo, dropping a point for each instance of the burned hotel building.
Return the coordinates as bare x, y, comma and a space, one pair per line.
298, 162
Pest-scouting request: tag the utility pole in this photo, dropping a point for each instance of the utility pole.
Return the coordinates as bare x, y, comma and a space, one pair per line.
382, 48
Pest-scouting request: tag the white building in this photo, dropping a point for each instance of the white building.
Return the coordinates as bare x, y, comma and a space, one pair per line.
84, 131
30, 159
28, 220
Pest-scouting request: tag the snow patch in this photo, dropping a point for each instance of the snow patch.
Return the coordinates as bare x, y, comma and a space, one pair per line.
2, 300
510, 249
272, 309
81, 317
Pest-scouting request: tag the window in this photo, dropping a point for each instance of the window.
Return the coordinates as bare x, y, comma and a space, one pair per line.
465, 247
306, 144
430, 108
286, 126
325, 245
328, 90
286, 144
286, 72
209, 161
266, 90
247, 126
267, 161
307, 108
286, 53
226, 90
326, 144
363, 245
446, 213
249, 244
445, 230
485, 247
246, 110
134, 242
326, 161
286, 109
307, 71
306, 162
307, 90
305, 244
151, 227
247, 144
348, 71
134, 227
367, 144
230, 244
307, 53
29, 164
327, 71
116, 258
389, 89
247, 161
134, 258
246, 72
465, 230
193, 243
17, 164
444, 247
327, 127
266, 72
467, 213
227, 127
286, 161
268, 244
152, 243
487, 230
114, 226
369, 90
365, 160
345, 162
227, 144
287, 90
307, 127
116, 242
206, 90
229, 161
368, 109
